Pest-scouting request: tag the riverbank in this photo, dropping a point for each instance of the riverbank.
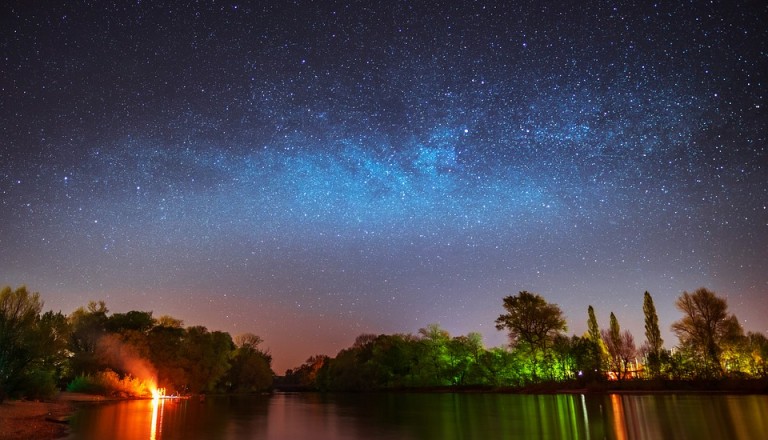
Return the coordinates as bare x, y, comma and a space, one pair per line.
632, 386
20, 420
642, 386
40, 420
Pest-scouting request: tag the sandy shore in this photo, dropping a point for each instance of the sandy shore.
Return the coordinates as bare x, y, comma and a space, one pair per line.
39, 420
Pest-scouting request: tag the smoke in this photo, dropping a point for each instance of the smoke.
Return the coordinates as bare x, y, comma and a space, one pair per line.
125, 357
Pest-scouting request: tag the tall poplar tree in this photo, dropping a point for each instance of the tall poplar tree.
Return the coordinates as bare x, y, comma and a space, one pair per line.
653, 339
594, 329
596, 345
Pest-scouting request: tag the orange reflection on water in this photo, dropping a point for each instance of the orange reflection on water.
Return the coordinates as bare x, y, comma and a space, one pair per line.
126, 420
157, 403
619, 424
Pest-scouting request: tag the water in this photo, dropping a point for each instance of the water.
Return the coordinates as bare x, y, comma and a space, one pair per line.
429, 416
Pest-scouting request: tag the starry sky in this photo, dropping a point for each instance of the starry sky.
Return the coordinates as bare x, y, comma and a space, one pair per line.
312, 170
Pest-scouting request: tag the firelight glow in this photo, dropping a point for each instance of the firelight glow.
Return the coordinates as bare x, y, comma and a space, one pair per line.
309, 171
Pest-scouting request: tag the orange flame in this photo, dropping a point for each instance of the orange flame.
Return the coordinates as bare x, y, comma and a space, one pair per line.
157, 393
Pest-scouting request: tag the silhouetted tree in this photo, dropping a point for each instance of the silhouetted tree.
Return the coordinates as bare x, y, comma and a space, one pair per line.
55, 332
309, 374
250, 366
396, 355
165, 353
653, 343
205, 357
705, 328
169, 321
33, 347
88, 326
133, 320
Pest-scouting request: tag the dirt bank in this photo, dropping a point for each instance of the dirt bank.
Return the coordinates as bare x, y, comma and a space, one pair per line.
33, 420
39, 420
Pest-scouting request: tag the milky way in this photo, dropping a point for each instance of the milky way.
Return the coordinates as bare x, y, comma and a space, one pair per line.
310, 171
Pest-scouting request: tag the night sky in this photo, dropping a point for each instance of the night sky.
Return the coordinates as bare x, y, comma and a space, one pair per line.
312, 170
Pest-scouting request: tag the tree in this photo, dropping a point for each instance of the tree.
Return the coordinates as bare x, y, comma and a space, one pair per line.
463, 353
307, 374
564, 364
165, 353
620, 346
32, 347
395, 355
628, 352
170, 322
250, 370
133, 320
532, 324
88, 326
55, 332
593, 328
434, 344
706, 327
492, 364
205, 357
596, 348
612, 340
19, 312
653, 341
757, 347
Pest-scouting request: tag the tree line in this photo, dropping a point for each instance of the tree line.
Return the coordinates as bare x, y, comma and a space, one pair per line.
712, 345
91, 350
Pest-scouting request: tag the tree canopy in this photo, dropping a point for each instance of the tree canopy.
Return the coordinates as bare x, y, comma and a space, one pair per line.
706, 327
532, 323
93, 350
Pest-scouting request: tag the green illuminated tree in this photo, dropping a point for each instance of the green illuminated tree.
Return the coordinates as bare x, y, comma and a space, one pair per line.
463, 354
596, 347
434, 344
532, 324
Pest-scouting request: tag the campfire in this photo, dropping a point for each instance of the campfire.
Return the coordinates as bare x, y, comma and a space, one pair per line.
158, 393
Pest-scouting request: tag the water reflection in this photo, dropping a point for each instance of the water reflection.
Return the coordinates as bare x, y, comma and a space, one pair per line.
156, 403
429, 416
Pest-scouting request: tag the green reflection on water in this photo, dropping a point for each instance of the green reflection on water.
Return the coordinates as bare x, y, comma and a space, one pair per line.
430, 416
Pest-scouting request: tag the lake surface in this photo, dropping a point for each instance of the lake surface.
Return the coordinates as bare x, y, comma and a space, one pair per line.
429, 416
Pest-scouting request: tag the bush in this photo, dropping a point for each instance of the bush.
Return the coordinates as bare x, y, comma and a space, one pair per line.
85, 384
109, 382
39, 384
